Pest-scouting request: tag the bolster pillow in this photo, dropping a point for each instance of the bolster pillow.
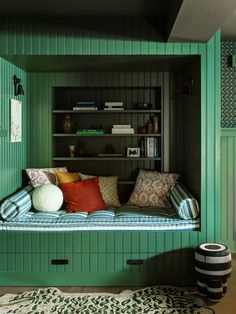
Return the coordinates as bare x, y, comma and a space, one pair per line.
185, 204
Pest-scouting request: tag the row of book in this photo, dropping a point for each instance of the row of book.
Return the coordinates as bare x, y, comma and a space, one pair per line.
150, 147
122, 129
91, 105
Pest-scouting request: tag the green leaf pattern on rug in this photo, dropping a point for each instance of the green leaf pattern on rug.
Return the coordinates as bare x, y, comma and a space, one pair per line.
151, 300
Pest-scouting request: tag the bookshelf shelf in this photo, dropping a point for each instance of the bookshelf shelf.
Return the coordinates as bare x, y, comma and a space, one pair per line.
65, 98
107, 135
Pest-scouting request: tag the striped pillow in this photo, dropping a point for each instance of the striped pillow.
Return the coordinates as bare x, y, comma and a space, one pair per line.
185, 204
17, 204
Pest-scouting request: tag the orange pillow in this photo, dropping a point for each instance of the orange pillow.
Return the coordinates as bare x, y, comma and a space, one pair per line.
66, 177
83, 196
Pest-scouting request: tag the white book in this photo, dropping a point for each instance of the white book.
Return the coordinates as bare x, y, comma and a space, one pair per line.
122, 131
121, 126
113, 109
114, 103
150, 146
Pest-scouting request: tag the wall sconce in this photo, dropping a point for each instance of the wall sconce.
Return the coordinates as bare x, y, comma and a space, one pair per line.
18, 89
188, 87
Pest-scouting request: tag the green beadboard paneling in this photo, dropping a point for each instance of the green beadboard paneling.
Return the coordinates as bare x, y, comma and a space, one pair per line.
78, 38
228, 184
13, 156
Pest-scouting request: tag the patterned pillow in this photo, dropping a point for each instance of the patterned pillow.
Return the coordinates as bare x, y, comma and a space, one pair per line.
152, 188
185, 204
39, 176
108, 188
66, 177
17, 204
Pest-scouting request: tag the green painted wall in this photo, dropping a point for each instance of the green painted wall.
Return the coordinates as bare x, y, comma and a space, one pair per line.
228, 183
13, 156
108, 38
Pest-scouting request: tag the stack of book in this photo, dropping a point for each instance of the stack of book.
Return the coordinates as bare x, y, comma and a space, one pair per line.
85, 105
114, 105
122, 129
150, 147
90, 131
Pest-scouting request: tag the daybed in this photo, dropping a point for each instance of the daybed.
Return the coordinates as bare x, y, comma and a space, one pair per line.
129, 245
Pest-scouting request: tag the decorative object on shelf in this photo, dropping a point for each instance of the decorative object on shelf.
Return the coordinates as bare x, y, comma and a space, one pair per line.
67, 124
143, 106
155, 125
18, 89
133, 152
109, 149
149, 127
143, 130
72, 149
114, 105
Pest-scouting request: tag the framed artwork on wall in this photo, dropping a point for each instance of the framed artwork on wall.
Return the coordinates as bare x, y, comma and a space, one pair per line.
16, 121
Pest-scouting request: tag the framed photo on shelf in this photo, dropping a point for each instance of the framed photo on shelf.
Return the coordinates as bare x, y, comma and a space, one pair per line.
133, 152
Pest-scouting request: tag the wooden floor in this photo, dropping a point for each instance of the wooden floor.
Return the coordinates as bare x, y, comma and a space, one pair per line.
227, 305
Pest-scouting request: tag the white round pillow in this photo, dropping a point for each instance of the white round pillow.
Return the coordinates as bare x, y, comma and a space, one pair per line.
47, 198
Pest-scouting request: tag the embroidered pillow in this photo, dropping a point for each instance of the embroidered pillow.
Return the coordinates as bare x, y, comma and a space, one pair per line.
185, 204
152, 189
108, 188
17, 204
39, 176
81, 196
66, 177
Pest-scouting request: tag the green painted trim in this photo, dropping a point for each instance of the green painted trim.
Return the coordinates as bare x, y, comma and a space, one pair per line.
228, 132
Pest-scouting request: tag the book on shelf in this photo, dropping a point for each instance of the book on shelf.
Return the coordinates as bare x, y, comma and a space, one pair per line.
113, 109
150, 147
121, 126
84, 108
86, 103
114, 104
122, 131
90, 131
110, 155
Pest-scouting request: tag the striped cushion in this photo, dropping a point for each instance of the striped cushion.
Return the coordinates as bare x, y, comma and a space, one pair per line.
185, 204
17, 204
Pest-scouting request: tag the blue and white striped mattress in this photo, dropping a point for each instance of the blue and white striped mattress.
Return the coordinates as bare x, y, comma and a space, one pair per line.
124, 218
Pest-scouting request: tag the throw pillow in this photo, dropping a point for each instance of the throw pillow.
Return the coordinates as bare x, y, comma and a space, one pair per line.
66, 177
185, 204
47, 198
152, 188
82, 196
108, 188
17, 204
39, 176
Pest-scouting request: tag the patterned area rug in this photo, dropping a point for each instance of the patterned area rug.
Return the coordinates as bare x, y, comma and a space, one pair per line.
147, 300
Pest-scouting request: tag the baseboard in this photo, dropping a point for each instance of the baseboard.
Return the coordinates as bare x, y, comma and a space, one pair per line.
97, 279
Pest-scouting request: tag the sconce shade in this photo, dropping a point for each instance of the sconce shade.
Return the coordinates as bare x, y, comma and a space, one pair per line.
20, 90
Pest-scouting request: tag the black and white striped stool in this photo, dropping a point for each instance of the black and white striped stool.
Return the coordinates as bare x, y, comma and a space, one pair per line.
213, 267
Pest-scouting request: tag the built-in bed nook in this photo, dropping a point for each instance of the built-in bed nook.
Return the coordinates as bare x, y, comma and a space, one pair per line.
128, 243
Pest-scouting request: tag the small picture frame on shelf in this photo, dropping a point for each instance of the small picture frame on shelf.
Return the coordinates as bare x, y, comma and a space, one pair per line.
133, 152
